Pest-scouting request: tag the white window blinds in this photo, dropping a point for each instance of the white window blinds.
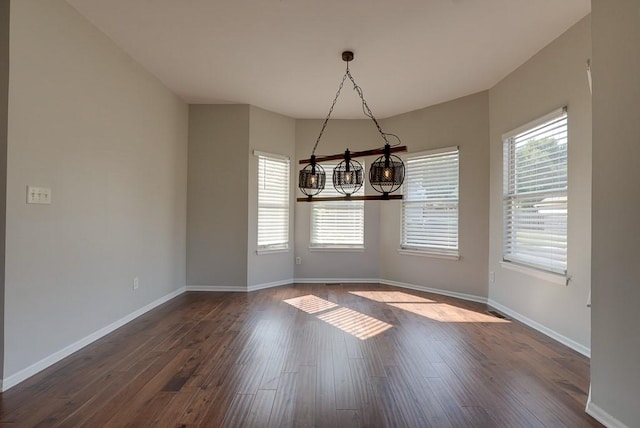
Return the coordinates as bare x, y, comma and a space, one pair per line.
535, 194
430, 204
273, 202
337, 224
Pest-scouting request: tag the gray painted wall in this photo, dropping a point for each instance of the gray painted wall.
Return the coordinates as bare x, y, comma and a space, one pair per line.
271, 133
554, 77
217, 212
338, 136
465, 123
615, 375
111, 142
4, 106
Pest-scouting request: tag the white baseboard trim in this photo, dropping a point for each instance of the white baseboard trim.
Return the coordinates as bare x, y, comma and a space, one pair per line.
37, 367
217, 288
541, 328
269, 285
463, 296
601, 416
336, 280
238, 288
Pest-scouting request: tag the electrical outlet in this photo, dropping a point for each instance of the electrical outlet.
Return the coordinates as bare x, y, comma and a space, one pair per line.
136, 283
298, 260
492, 277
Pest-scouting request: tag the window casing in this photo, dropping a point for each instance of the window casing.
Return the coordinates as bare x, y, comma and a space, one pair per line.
430, 204
337, 224
535, 183
273, 202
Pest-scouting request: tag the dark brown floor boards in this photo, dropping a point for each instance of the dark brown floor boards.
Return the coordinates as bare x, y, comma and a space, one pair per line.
311, 356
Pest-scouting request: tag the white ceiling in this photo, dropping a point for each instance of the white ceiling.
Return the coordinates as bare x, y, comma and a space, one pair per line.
284, 55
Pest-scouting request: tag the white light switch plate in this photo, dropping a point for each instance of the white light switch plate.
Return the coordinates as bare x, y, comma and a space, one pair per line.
38, 195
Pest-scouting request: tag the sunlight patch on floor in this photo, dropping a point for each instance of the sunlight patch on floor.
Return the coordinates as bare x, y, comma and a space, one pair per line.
391, 296
427, 308
352, 322
443, 312
355, 323
311, 304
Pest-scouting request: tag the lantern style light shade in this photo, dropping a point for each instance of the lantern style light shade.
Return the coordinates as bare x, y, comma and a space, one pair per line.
311, 179
348, 175
386, 174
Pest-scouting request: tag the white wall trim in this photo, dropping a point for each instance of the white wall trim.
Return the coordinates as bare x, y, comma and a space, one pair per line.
420, 253
463, 296
551, 277
269, 285
218, 288
329, 249
455, 294
267, 251
541, 328
46, 362
270, 155
336, 280
601, 416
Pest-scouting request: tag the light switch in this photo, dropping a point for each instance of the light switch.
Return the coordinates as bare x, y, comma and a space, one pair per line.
38, 195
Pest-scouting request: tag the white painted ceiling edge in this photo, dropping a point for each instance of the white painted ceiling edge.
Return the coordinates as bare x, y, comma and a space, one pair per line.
284, 55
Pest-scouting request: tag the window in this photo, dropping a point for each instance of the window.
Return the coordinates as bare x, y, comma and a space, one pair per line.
430, 204
273, 202
535, 194
337, 224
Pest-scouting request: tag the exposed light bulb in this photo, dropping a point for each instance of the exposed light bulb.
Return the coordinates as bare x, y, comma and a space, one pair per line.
347, 177
386, 173
313, 180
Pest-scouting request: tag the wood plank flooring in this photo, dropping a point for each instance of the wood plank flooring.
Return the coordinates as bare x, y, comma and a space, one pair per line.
311, 355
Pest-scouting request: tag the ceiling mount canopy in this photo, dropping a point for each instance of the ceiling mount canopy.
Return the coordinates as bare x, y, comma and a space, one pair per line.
347, 56
386, 174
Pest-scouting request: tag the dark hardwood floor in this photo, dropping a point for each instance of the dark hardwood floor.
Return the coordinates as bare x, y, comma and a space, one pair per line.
311, 355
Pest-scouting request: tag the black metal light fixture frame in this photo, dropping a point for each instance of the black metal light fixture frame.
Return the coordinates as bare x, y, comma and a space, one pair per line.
311, 178
348, 175
386, 174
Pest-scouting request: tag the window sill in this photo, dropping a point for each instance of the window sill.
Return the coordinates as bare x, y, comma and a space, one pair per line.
418, 253
264, 251
555, 278
337, 249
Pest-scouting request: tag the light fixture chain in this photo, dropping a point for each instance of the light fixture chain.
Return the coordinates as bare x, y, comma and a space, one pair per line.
365, 106
326, 120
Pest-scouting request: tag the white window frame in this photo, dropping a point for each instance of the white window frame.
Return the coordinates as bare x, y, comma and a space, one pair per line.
516, 253
355, 208
278, 244
439, 242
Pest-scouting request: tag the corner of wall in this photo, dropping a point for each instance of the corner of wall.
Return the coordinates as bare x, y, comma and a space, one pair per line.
615, 376
553, 77
435, 127
217, 201
4, 111
270, 133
